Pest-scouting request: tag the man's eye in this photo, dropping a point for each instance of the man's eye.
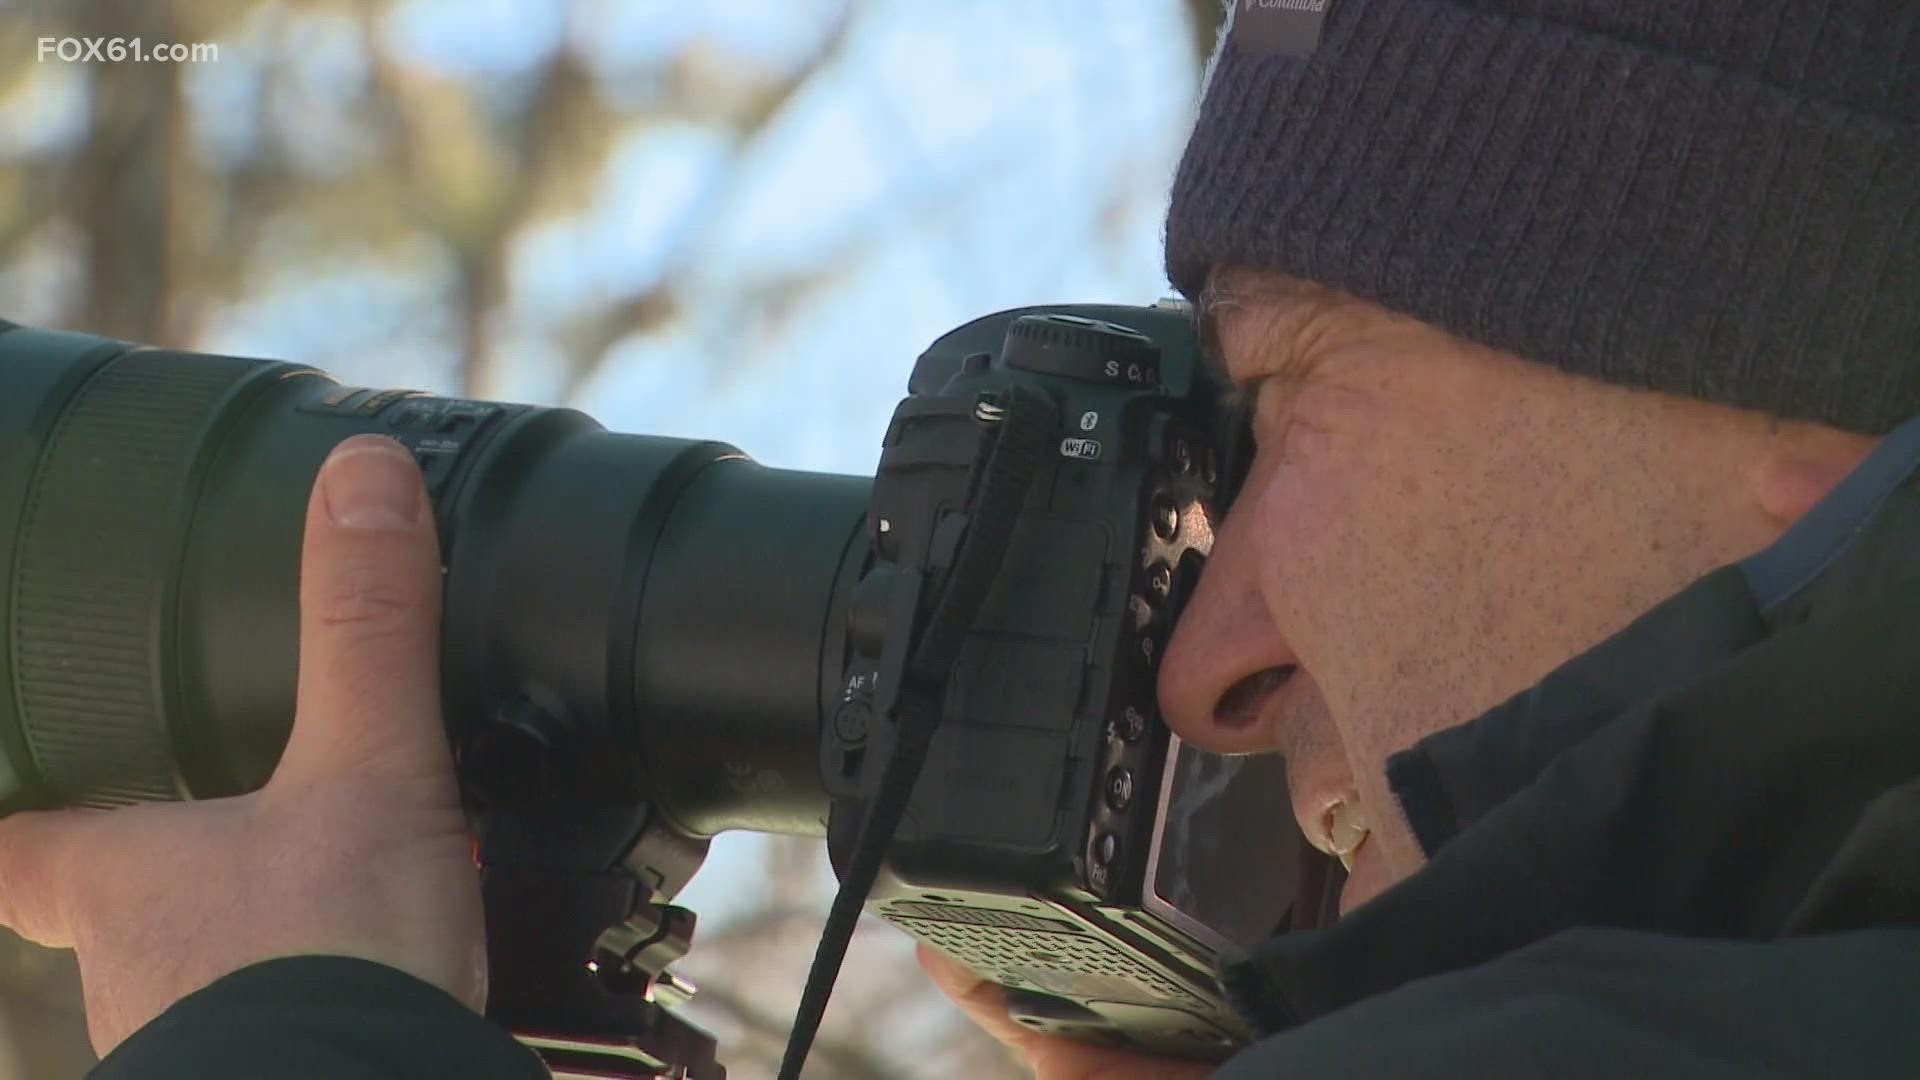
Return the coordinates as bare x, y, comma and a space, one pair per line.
1236, 400
1237, 444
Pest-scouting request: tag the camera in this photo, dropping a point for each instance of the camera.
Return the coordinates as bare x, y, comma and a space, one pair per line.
650, 641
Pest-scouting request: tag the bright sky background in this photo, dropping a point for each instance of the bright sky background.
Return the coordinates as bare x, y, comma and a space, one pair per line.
958, 158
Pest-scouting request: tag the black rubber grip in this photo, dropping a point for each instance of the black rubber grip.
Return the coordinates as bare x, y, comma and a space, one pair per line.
98, 543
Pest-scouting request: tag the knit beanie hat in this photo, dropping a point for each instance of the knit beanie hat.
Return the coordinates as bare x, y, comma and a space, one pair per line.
1716, 198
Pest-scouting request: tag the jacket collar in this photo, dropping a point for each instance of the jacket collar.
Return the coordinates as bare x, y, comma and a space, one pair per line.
1608, 792
1863, 534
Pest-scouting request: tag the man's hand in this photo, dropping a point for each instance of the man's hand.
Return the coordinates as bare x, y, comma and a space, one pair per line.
357, 847
1050, 1058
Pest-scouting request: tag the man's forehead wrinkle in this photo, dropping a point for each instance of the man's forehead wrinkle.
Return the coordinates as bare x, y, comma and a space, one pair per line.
1255, 324
1270, 336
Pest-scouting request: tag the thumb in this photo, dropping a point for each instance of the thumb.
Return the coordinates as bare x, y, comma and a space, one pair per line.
370, 578
37, 864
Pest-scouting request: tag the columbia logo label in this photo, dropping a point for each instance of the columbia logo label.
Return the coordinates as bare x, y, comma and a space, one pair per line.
1277, 27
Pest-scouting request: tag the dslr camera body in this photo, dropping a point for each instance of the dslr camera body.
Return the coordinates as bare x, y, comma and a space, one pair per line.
1026, 849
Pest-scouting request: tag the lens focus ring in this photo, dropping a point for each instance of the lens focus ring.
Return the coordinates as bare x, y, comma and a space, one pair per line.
96, 550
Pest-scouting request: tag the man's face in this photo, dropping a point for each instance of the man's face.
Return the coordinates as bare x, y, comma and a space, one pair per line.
1428, 527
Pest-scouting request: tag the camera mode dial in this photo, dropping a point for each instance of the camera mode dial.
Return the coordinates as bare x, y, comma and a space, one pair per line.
1089, 350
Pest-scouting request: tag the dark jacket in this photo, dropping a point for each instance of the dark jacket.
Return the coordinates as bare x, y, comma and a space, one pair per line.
320, 1018
1693, 851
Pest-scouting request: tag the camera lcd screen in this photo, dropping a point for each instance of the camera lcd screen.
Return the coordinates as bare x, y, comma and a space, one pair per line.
1226, 859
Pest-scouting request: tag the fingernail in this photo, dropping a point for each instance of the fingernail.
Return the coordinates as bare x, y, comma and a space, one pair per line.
372, 484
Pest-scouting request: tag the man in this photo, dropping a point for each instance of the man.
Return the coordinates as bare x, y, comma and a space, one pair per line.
1673, 248
1547, 311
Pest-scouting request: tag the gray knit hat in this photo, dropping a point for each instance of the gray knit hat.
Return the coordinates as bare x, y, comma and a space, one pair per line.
1718, 198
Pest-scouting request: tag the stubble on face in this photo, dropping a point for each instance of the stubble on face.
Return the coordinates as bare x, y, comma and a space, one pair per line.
1438, 525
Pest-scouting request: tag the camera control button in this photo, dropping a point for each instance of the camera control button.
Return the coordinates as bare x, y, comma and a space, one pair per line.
410, 417
1166, 518
1159, 583
371, 406
1089, 350
850, 722
1119, 788
1181, 454
436, 467
1139, 610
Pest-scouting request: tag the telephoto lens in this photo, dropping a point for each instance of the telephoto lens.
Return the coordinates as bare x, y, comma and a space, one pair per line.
658, 609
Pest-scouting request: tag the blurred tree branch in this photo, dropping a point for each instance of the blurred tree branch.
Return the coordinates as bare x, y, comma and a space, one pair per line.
588, 342
559, 140
30, 193
128, 188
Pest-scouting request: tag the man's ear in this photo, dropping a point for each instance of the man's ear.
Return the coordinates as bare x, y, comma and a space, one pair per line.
1795, 474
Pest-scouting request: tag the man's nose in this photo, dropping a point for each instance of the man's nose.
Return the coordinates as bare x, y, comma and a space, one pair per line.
1226, 657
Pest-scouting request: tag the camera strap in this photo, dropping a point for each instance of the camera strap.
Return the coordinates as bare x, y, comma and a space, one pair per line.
1017, 427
